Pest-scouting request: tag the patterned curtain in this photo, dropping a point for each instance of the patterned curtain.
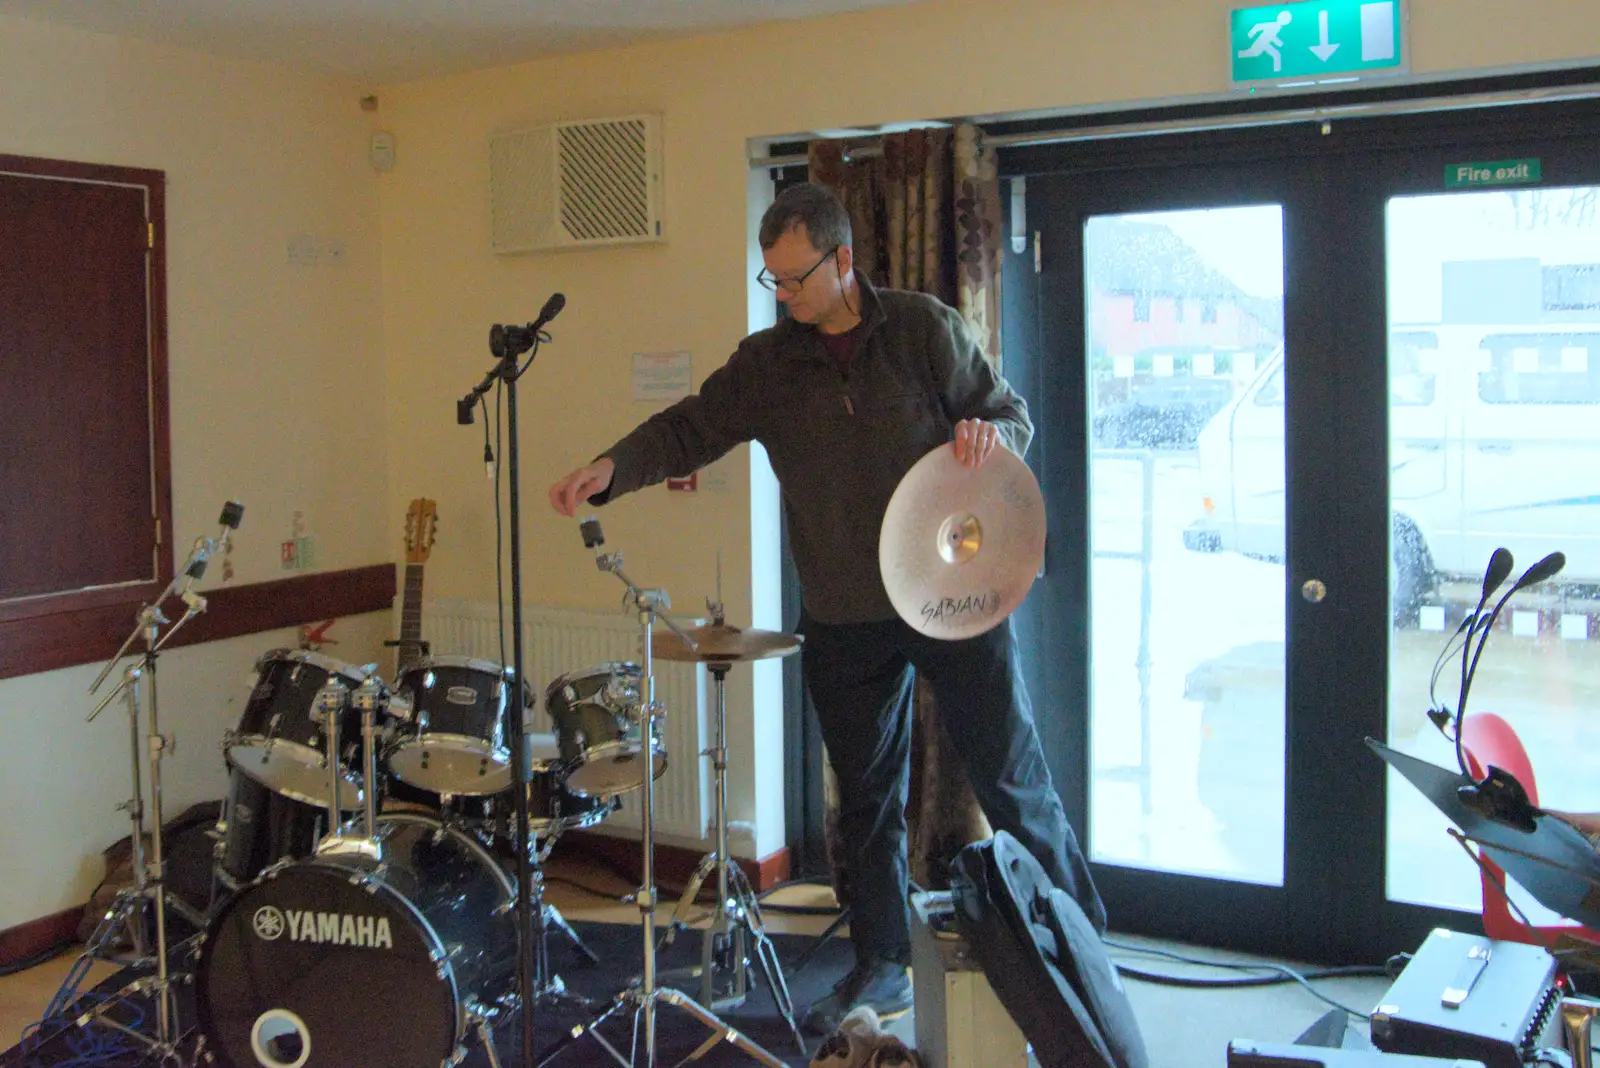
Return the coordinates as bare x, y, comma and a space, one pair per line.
925, 214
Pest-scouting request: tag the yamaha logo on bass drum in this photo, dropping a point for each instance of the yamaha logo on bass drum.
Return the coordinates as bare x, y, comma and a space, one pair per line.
329, 928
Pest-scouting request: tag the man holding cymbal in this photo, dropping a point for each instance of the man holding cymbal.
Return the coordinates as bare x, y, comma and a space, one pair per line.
846, 395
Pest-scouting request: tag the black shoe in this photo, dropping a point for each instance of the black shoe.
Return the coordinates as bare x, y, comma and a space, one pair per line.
881, 985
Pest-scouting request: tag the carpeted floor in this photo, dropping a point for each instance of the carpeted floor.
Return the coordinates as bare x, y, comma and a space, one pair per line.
620, 952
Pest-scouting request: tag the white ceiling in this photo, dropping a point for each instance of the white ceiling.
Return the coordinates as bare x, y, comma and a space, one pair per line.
384, 41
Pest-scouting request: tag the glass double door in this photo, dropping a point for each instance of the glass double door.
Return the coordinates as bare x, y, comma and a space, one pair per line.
1293, 388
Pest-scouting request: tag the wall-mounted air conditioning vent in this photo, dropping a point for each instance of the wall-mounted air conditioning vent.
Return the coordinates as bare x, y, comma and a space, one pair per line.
582, 184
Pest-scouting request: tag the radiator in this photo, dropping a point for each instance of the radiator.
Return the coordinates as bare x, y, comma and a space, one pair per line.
558, 641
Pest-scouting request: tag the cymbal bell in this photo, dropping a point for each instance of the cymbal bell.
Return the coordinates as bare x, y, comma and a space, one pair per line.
721, 644
960, 546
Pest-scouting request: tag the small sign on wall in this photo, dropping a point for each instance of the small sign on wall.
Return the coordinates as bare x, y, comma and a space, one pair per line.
661, 377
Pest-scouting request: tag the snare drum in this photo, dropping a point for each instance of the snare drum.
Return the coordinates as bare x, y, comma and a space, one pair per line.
280, 741
598, 731
458, 739
552, 808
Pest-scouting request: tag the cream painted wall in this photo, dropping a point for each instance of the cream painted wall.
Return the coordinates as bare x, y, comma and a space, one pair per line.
61, 778
443, 287
277, 393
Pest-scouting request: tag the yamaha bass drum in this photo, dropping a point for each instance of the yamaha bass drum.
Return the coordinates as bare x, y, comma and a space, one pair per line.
339, 960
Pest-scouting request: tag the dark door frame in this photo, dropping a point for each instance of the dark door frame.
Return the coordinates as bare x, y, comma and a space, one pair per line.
1333, 182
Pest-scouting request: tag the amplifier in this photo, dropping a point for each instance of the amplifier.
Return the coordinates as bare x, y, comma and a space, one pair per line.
1246, 1054
960, 1022
1467, 996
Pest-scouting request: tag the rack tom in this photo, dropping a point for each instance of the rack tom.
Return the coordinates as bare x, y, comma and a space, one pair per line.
281, 741
598, 731
458, 739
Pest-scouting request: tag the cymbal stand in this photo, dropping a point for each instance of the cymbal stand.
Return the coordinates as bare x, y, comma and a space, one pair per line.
149, 874
735, 922
644, 994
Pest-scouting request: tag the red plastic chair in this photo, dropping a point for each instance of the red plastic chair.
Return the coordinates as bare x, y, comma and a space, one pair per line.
1487, 739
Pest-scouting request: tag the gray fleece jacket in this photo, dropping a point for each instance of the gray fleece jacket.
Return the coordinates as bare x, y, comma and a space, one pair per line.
839, 441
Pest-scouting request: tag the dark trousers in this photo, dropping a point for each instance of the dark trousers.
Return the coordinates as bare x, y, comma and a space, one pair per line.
859, 676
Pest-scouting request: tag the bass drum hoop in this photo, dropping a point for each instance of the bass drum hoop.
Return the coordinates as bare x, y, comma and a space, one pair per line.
378, 886
473, 846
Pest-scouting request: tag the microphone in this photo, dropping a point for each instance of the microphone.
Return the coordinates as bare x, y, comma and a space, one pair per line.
1544, 569
505, 341
1538, 573
1499, 567
1500, 564
551, 309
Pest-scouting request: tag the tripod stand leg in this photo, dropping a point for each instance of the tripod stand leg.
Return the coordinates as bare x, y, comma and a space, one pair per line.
571, 1037
833, 928
553, 917
723, 1032
766, 953
691, 893
486, 1036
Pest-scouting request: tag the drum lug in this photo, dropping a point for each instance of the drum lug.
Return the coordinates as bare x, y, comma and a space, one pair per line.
368, 881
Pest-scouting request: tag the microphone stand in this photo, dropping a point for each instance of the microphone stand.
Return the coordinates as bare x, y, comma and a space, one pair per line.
149, 880
507, 344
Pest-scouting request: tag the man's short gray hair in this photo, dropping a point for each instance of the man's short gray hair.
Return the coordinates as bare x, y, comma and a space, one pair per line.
826, 221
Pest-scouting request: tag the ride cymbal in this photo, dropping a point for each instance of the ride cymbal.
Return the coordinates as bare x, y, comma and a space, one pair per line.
960, 546
721, 643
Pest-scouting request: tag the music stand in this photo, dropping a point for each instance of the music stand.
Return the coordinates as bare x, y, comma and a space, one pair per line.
1554, 862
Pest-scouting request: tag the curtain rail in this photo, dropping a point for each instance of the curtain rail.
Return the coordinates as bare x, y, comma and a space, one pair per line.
1284, 117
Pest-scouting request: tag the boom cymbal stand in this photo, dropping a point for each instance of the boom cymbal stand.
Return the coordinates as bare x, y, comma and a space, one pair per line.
643, 995
735, 924
149, 875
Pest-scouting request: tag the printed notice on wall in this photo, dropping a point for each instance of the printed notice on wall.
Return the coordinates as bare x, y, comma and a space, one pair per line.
660, 376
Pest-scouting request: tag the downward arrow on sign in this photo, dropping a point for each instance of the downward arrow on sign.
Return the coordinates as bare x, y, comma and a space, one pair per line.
1324, 50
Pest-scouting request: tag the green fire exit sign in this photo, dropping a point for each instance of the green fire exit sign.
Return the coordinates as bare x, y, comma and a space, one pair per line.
1497, 172
1317, 39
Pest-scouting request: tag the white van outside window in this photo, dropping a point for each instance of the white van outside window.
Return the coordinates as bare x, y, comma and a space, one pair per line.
1494, 440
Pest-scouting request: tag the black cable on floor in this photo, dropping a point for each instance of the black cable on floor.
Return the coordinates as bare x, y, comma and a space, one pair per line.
45, 955
807, 880
1283, 974
668, 892
800, 910
592, 891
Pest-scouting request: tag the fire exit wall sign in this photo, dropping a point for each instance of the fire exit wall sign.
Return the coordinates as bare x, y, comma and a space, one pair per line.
1317, 40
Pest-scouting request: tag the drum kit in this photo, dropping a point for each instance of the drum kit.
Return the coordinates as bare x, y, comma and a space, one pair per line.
367, 863
363, 885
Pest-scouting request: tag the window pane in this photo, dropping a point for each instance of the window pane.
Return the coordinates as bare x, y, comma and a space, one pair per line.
1187, 728
1494, 440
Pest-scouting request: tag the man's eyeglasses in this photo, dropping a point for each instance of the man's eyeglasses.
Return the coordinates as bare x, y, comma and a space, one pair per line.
792, 285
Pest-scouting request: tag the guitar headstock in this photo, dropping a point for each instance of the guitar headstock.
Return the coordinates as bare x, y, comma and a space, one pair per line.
422, 522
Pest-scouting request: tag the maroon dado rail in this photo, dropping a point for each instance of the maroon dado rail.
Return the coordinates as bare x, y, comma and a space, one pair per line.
90, 635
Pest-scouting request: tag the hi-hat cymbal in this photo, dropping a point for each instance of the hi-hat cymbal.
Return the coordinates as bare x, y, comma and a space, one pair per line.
960, 546
719, 643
